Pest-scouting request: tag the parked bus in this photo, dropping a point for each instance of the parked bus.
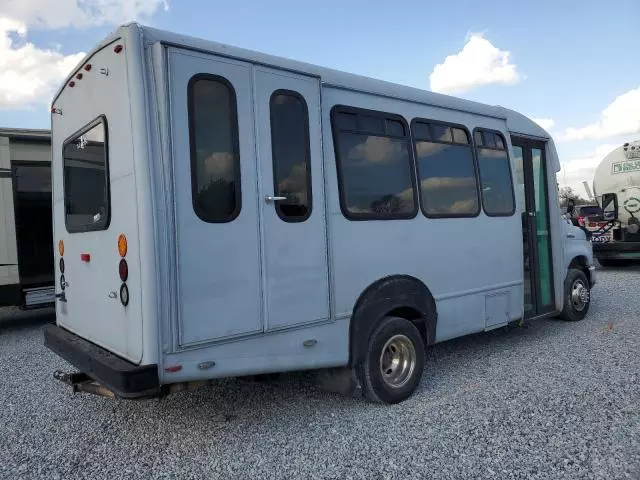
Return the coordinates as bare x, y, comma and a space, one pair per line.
26, 230
616, 186
220, 212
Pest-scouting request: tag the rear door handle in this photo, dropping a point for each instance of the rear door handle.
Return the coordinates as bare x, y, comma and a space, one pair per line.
270, 199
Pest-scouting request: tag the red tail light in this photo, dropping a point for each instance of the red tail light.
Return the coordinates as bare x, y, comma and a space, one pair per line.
581, 220
123, 270
117, 48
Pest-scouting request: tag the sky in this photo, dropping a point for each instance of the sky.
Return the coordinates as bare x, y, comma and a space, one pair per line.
571, 65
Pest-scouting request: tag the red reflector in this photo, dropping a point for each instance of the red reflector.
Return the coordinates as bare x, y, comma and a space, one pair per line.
87, 67
72, 84
123, 269
174, 369
117, 48
85, 257
79, 76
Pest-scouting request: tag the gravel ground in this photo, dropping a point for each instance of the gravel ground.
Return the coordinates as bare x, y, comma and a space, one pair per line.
549, 400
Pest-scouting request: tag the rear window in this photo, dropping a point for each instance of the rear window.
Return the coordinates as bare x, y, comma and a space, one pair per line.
590, 210
86, 179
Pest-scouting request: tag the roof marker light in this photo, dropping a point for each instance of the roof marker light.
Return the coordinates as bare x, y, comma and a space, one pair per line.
79, 76
117, 48
56, 111
72, 84
87, 67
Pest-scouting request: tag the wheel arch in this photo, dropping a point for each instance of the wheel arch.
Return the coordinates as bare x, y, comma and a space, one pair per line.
580, 262
396, 295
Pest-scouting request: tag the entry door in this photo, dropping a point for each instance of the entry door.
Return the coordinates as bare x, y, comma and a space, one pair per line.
215, 186
533, 190
292, 198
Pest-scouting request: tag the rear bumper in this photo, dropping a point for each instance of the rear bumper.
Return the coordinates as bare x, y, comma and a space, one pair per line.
615, 250
123, 378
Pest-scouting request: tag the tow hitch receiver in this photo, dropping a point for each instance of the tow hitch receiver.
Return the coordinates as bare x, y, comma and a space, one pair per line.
81, 382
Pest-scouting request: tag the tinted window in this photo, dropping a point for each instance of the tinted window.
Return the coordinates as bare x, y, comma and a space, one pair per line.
495, 177
395, 128
447, 175
441, 133
215, 169
375, 174
86, 179
291, 163
371, 124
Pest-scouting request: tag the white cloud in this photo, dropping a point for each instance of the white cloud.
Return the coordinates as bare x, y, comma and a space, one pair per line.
582, 167
78, 13
620, 117
377, 150
545, 123
478, 63
29, 74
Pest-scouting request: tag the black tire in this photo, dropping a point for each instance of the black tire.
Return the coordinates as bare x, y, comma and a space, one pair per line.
574, 308
378, 386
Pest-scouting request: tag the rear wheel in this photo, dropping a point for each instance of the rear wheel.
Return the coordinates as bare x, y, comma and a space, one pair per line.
577, 296
394, 361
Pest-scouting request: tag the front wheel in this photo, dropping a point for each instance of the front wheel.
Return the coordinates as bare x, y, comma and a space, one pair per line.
394, 361
577, 296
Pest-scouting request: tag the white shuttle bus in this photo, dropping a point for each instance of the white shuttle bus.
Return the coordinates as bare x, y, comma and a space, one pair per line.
220, 212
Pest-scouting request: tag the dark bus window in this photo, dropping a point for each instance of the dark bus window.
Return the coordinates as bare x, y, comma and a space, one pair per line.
495, 176
86, 179
447, 174
375, 172
291, 162
215, 159
371, 124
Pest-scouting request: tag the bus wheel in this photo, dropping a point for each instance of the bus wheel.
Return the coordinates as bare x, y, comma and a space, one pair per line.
577, 296
393, 364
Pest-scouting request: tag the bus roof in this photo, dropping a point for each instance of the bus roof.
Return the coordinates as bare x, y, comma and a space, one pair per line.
329, 77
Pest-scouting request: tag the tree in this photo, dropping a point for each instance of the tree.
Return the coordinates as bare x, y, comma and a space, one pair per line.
568, 193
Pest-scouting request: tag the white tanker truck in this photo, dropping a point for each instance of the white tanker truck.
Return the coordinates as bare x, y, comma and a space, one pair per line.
616, 187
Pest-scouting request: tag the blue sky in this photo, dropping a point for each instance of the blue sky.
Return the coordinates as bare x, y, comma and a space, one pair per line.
567, 60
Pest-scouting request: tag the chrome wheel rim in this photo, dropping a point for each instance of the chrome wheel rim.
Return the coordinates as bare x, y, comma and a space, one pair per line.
397, 361
579, 295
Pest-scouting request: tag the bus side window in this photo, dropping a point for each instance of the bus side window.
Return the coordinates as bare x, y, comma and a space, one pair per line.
374, 164
495, 174
215, 158
446, 170
291, 155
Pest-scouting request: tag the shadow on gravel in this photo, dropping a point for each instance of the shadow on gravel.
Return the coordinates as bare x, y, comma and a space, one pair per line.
16, 319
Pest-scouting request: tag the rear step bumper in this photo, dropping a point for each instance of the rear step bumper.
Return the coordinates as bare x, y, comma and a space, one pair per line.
123, 378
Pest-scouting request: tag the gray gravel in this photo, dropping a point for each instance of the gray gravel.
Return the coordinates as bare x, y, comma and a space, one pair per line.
550, 400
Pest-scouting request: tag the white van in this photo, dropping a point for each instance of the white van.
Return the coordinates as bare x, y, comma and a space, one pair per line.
220, 212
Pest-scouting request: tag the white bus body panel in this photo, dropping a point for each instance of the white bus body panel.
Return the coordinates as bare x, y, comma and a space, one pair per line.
255, 273
90, 310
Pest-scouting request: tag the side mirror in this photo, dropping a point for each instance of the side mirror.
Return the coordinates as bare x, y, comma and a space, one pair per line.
610, 206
